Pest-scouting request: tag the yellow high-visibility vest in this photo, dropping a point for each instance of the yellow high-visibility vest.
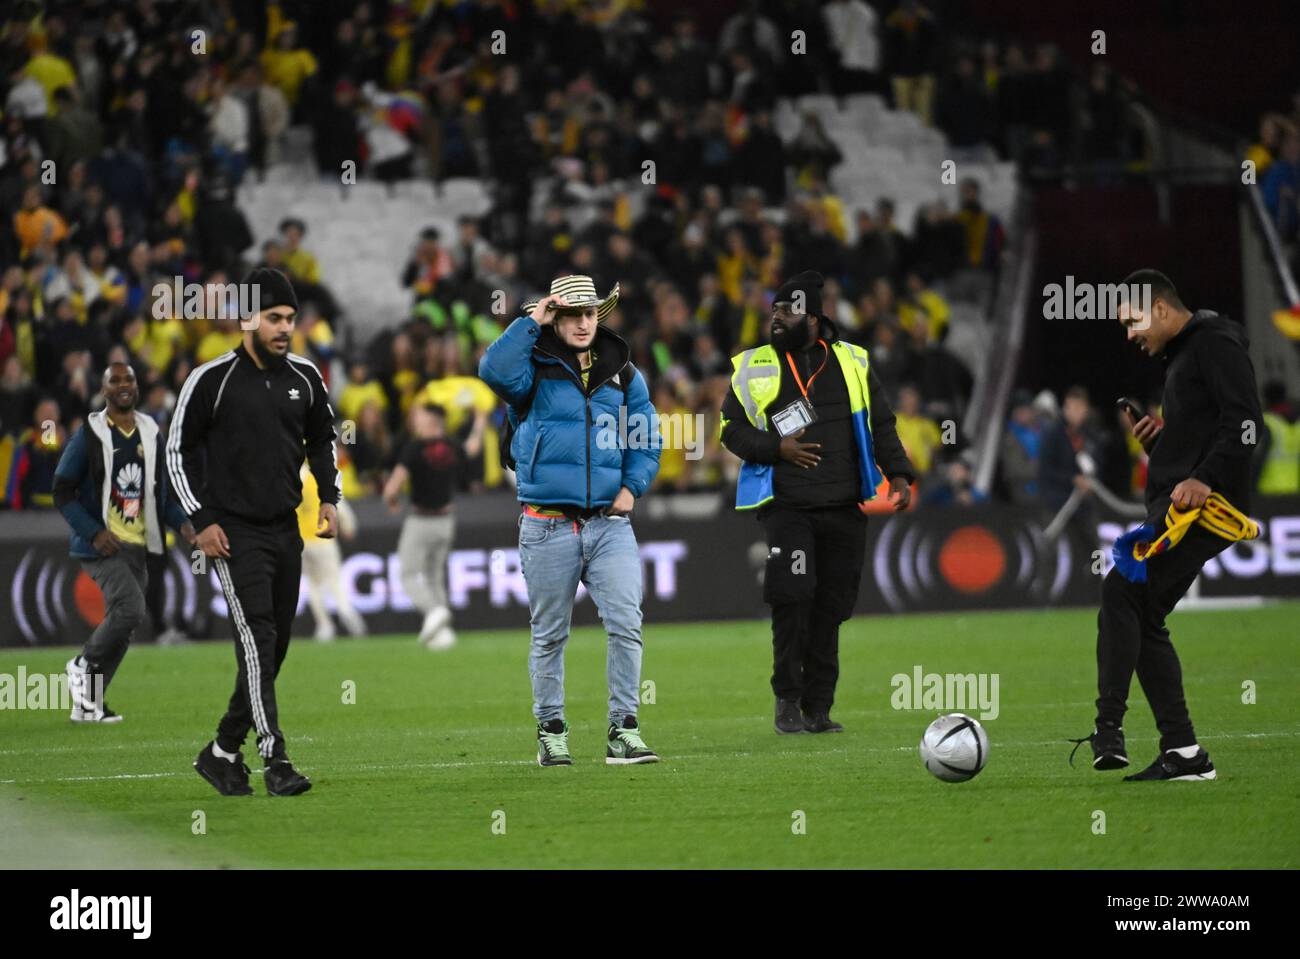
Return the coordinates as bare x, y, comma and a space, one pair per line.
756, 381
1281, 473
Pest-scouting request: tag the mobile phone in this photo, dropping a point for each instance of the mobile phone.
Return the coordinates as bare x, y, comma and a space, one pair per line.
1129, 407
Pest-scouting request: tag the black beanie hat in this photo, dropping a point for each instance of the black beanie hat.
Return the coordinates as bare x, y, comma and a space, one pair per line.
809, 282
273, 288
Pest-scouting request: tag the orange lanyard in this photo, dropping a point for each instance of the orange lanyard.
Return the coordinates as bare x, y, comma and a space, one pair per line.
789, 359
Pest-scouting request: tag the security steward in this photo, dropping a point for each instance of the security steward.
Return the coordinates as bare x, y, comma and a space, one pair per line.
811, 422
1279, 447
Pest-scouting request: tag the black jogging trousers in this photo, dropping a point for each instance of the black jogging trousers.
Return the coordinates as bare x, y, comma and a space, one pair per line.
260, 582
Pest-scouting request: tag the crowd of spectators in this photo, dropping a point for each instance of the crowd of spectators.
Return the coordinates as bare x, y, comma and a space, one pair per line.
1275, 155
152, 114
129, 127
1049, 117
148, 140
729, 209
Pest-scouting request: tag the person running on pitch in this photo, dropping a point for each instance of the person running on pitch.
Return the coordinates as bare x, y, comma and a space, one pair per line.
431, 462
111, 487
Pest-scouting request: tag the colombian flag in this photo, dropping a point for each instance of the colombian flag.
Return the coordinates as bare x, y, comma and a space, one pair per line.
1132, 550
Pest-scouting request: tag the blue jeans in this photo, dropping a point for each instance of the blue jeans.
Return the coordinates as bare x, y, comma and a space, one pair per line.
603, 555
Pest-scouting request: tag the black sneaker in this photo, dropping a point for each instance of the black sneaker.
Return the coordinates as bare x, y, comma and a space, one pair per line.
788, 718
228, 778
1107, 747
283, 780
821, 722
1170, 766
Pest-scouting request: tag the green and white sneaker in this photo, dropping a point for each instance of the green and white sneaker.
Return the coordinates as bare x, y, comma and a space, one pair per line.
553, 743
626, 746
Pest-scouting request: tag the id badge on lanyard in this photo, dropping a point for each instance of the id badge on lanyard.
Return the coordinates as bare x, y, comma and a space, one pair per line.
794, 417
800, 413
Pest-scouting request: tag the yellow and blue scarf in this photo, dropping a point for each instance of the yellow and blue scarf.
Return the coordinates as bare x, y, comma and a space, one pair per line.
1132, 550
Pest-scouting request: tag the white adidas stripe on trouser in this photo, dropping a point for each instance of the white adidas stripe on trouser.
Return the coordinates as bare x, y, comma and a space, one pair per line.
252, 664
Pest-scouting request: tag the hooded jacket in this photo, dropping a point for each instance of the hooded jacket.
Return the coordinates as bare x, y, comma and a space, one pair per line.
82, 485
567, 449
1210, 400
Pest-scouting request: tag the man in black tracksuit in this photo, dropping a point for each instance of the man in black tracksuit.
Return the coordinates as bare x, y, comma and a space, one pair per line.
816, 534
243, 424
1209, 399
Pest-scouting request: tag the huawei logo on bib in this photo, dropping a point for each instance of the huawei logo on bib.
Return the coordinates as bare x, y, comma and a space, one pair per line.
129, 478
126, 490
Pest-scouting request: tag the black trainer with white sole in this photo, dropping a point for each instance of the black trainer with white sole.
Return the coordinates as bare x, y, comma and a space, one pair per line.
1171, 767
226, 777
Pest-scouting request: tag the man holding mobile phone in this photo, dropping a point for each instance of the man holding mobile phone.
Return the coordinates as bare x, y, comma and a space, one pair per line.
1199, 461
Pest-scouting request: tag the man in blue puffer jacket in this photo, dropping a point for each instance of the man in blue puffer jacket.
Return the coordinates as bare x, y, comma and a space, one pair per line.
564, 378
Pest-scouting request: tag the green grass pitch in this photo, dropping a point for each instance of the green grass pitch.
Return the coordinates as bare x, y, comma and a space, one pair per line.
439, 749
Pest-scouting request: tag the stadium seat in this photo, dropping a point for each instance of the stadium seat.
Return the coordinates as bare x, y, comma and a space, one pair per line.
362, 241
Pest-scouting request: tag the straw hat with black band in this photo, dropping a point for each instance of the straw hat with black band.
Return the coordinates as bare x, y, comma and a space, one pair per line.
579, 292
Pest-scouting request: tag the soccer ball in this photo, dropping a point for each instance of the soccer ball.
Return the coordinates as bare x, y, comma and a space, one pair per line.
954, 748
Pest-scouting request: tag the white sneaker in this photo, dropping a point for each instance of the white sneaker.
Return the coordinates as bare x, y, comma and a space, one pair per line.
434, 620
324, 636
100, 715
172, 637
444, 638
354, 623
76, 689
85, 708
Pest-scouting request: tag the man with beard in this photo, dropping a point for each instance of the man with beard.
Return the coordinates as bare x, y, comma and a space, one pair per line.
242, 426
810, 421
111, 487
